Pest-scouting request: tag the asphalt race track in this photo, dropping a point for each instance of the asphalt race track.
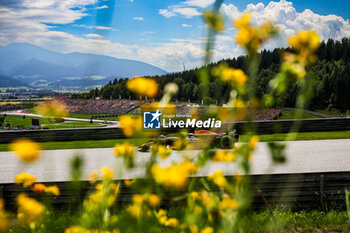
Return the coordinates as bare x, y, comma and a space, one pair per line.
302, 157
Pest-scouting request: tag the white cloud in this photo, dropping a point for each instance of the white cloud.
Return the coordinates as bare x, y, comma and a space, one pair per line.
230, 10
166, 13
289, 21
93, 35
187, 8
188, 12
199, 3
186, 25
101, 7
138, 18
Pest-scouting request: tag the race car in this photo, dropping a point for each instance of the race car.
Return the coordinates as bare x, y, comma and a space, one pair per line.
216, 140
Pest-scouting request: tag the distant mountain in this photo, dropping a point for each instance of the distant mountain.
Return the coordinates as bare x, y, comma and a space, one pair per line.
34, 65
11, 82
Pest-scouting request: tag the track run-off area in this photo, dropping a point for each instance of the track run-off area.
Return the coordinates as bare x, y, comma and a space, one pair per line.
302, 157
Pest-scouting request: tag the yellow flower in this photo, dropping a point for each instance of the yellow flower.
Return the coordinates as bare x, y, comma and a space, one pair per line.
231, 75
172, 222
76, 229
29, 209
163, 151
130, 125
294, 64
228, 203
143, 86
207, 230
128, 183
305, 42
154, 200
135, 210
137, 199
206, 198
53, 189
93, 177
174, 176
25, 178
39, 188
26, 149
193, 228
243, 22
223, 156
125, 150
253, 142
4, 223
194, 195
218, 178
252, 37
214, 20
54, 108
107, 173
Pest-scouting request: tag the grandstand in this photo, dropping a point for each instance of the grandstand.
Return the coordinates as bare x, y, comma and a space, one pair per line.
89, 106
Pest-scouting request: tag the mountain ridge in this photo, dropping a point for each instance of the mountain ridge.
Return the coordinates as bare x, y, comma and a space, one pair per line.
30, 63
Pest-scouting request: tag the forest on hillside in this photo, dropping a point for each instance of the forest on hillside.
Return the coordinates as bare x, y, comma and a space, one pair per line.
331, 74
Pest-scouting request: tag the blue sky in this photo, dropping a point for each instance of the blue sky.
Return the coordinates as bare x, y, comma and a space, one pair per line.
164, 33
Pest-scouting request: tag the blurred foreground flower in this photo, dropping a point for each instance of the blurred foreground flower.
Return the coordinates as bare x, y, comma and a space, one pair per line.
143, 86
54, 108
41, 188
26, 149
161, 150
174, 176
218, 178
251, 38
130, 125
107, 173
53, 189
124, 150
4, 223
234, 76
253, 142
127, 152
223, 156
305, 43
25, 178
228, 203
30, 210
214, 20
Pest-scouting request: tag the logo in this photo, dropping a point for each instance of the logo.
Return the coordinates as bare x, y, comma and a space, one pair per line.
151, 120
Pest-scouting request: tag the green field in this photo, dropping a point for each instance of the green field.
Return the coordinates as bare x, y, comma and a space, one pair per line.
44, 122
302, 136
290, 114
286, 221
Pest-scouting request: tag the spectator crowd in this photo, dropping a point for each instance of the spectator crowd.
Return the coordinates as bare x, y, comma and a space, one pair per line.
89, 106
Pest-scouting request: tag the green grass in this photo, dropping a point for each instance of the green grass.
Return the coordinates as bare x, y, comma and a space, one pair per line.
44, 122
85, 144
302, 136
26, 122
290, 114
303, 221
71, 125
287, 221
333, 111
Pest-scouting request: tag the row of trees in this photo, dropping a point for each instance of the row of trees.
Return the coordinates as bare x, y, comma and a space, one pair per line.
331, 74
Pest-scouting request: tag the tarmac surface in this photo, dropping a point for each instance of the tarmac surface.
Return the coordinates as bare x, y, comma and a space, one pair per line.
302, 157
